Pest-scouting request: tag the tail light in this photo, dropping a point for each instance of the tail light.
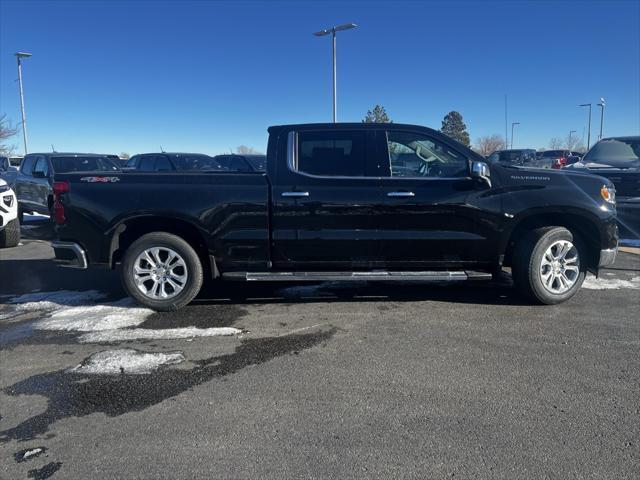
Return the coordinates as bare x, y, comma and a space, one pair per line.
559, 163
58, 208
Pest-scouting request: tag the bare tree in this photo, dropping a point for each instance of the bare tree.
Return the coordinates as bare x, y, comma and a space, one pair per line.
488, 144
244, 150
574, 144
556, 143
7, 130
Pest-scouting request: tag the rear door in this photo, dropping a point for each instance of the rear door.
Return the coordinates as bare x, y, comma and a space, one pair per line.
24, 184
325, 201
427, 219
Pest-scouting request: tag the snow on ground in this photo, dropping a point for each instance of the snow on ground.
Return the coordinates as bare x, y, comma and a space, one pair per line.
51, 301
109, 336
126, 360
593, 283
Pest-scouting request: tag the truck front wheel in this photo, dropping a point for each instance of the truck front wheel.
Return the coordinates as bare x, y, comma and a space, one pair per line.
161, 271
10, 234
549, 265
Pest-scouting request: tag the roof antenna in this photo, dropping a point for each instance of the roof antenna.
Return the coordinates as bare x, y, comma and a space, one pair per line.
53, 149
161, 149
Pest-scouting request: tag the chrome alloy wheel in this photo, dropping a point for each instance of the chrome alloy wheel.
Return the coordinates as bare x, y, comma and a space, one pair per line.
160, 273
560, 267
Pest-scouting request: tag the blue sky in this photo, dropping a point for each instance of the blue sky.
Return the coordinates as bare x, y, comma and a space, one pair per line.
208, 76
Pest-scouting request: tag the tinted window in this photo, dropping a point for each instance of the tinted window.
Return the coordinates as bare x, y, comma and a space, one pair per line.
147, 163
234, 163
340, 154
513, 157
258, 163
41, 165
196, 162
417, 155
63, 164
27, 165
163, 164
132, 162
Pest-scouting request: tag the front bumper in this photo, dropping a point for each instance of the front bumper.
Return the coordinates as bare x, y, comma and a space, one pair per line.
607, 257
69, 254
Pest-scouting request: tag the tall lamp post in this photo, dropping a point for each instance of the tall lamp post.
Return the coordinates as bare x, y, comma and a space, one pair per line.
333, 31
19, 56
513, 125
601, 105
589, 127
569, 144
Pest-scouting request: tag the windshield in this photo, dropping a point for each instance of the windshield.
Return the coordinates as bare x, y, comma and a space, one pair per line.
513, 157
196, 162
617, 153
82, 164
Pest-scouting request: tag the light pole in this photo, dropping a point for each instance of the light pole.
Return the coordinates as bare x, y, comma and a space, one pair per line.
589, 128
20, 55
333, 31
513, 125
601, 105
569, 144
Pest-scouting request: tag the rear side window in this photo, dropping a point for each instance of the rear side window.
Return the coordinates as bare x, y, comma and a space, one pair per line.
63, 164
335, 154
42, 166
27, 165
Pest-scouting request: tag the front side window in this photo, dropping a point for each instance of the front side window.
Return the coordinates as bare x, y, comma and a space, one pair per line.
417, 155
335, 154
41, 166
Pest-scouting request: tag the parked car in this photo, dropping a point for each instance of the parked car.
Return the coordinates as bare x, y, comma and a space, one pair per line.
7, 172
618, 159
171, 162
516, 157
9, 225
558, 159
34, 182
338, 203
243, 163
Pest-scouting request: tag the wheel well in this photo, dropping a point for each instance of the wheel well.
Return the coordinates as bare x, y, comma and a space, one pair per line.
130, 230
584, 228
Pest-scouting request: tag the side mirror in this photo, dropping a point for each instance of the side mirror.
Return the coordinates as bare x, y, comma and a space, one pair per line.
38, 174
480, 170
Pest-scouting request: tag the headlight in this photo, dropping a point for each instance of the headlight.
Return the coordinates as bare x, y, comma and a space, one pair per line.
608, 194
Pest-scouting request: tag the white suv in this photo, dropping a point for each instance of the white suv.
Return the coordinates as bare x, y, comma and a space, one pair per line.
9, 225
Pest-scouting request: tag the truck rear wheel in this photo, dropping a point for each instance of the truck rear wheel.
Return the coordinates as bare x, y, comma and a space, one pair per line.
10, 234
549, 265
161, 271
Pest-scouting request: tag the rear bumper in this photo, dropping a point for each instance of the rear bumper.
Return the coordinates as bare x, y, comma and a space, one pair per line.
69, 254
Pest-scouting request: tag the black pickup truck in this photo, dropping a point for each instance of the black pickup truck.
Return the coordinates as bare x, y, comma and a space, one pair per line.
340, 202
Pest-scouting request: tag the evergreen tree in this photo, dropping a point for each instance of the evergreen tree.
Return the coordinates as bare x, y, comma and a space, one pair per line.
377, 115
454, 127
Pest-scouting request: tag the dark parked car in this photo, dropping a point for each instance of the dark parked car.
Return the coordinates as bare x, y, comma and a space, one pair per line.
243, 162
171, 162
358, 201
618, 159
8, 173
34, 183
558, 158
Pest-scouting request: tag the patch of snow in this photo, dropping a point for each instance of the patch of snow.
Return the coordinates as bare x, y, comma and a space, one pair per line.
108, 336
126, 360
30, 453
108, 316
51, 301
593, 283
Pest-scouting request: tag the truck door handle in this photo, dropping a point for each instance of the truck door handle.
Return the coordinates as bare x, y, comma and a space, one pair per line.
295, 194
401, 194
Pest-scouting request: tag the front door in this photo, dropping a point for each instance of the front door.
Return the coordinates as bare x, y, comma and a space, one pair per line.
325, 201
426, 218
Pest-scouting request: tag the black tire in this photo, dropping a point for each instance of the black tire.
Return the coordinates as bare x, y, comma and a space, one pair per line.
193, 269
527, 259
10, 234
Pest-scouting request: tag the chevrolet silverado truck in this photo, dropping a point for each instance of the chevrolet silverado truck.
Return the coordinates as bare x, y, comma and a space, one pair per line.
340, 202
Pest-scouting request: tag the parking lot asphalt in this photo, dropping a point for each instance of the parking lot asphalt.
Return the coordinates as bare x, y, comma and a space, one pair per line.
332, 380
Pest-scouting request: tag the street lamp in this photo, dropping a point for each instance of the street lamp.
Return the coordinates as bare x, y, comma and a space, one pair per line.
589, 128
569, 144
333, 31
19, 56
513, 125
601, 105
